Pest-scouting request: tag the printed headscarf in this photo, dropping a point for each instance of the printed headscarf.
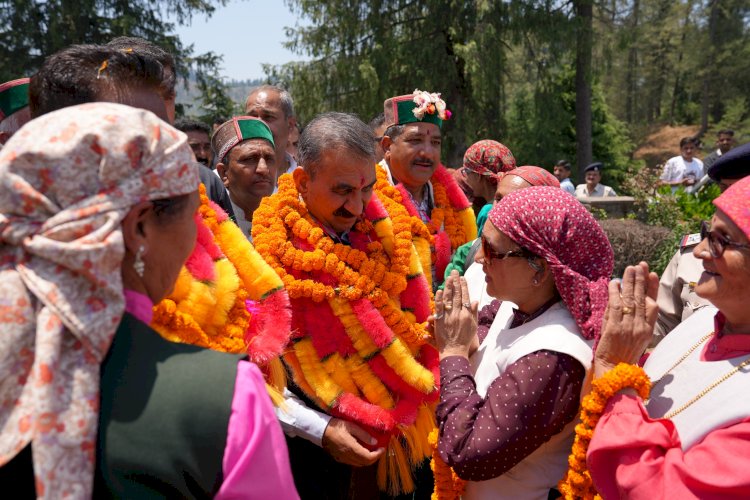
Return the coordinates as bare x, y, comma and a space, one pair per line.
488, 157
67, 180
553, 225
536, 176
735, 202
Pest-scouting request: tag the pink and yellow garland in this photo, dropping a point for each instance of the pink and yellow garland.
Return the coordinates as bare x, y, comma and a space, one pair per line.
359, 345
452, 221
226, 297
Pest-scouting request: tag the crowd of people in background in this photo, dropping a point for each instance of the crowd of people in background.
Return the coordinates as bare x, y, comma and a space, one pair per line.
258, 308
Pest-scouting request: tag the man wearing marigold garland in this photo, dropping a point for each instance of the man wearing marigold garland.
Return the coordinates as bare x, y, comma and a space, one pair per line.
442, 217
246, 157
364, 376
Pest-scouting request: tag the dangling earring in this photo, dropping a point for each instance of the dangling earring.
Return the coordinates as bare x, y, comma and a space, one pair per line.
138, 264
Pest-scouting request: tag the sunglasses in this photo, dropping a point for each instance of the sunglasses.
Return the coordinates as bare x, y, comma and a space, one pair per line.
716, 243
490, 253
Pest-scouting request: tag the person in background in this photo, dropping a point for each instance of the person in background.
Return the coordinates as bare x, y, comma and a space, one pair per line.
725, 142
291, 147
275, 107
676, 298
593, 187
14, 107
199, 138
678, 427
378, 126
247, 165
97, 217
683, 170
562, 172
509, 395
484, 163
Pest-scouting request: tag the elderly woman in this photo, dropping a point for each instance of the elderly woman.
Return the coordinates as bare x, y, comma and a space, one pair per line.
508, 400
507, 182
97, 206
690, 438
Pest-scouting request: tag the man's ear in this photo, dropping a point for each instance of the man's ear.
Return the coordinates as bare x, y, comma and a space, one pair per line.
301, 180
385, 144
222, 170
134, 226
292, 122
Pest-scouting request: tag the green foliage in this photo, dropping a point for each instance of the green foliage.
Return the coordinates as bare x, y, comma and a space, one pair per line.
680, 212
33, 30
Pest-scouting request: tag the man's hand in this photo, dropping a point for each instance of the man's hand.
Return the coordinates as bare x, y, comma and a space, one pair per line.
342, 440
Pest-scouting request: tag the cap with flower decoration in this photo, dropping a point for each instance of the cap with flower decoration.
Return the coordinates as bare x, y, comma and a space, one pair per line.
419, 106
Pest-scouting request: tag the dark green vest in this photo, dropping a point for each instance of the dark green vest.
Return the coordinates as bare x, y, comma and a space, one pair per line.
164, 413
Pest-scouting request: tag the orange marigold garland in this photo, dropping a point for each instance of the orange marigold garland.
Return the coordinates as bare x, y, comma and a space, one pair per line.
356, 351
448, 486
451, 223
226, 297
577, 482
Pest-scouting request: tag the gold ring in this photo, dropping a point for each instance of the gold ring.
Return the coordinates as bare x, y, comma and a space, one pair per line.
447, 307
627, 310
467, 305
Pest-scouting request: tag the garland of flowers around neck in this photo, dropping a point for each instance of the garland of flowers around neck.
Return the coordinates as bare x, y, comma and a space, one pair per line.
577, 482
451, 223
359, 348
226, 297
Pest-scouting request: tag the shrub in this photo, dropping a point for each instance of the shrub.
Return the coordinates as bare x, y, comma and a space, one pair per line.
634, 241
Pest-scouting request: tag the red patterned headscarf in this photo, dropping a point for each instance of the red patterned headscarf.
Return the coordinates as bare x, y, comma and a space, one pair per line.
489, 158
67, 180
553, 225
734, 202
536, 176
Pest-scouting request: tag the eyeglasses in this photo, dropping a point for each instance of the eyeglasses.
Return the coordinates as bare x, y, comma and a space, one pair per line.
490, 253
716, 243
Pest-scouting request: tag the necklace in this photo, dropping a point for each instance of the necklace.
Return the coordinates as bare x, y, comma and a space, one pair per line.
708, 389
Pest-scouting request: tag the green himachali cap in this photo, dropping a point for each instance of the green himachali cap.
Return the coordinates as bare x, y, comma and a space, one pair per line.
417, 107
14, 96
238, 129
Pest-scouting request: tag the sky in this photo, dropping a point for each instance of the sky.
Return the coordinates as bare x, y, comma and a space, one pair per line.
247, 33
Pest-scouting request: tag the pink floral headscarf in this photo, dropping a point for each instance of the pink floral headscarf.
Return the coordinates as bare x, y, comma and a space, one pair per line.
735, 202
553, 225
536, 176
489, 157
67, 180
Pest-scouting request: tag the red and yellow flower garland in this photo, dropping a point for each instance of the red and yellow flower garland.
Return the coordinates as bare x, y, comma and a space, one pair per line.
448, 486
452, 221
577, 482
359, 349
226, 297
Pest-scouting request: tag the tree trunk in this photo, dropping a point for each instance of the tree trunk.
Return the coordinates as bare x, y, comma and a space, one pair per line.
678, 67
707, 66
584, 17
630, 88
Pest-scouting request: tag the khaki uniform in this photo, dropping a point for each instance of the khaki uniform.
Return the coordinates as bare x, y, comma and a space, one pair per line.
676, 299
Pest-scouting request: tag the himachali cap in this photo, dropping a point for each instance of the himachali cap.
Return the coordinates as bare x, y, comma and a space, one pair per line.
417, 107
594, 167
14, 95
238, 129
732, 164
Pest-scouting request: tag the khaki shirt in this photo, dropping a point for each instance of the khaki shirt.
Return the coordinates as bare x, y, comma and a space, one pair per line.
676, 299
